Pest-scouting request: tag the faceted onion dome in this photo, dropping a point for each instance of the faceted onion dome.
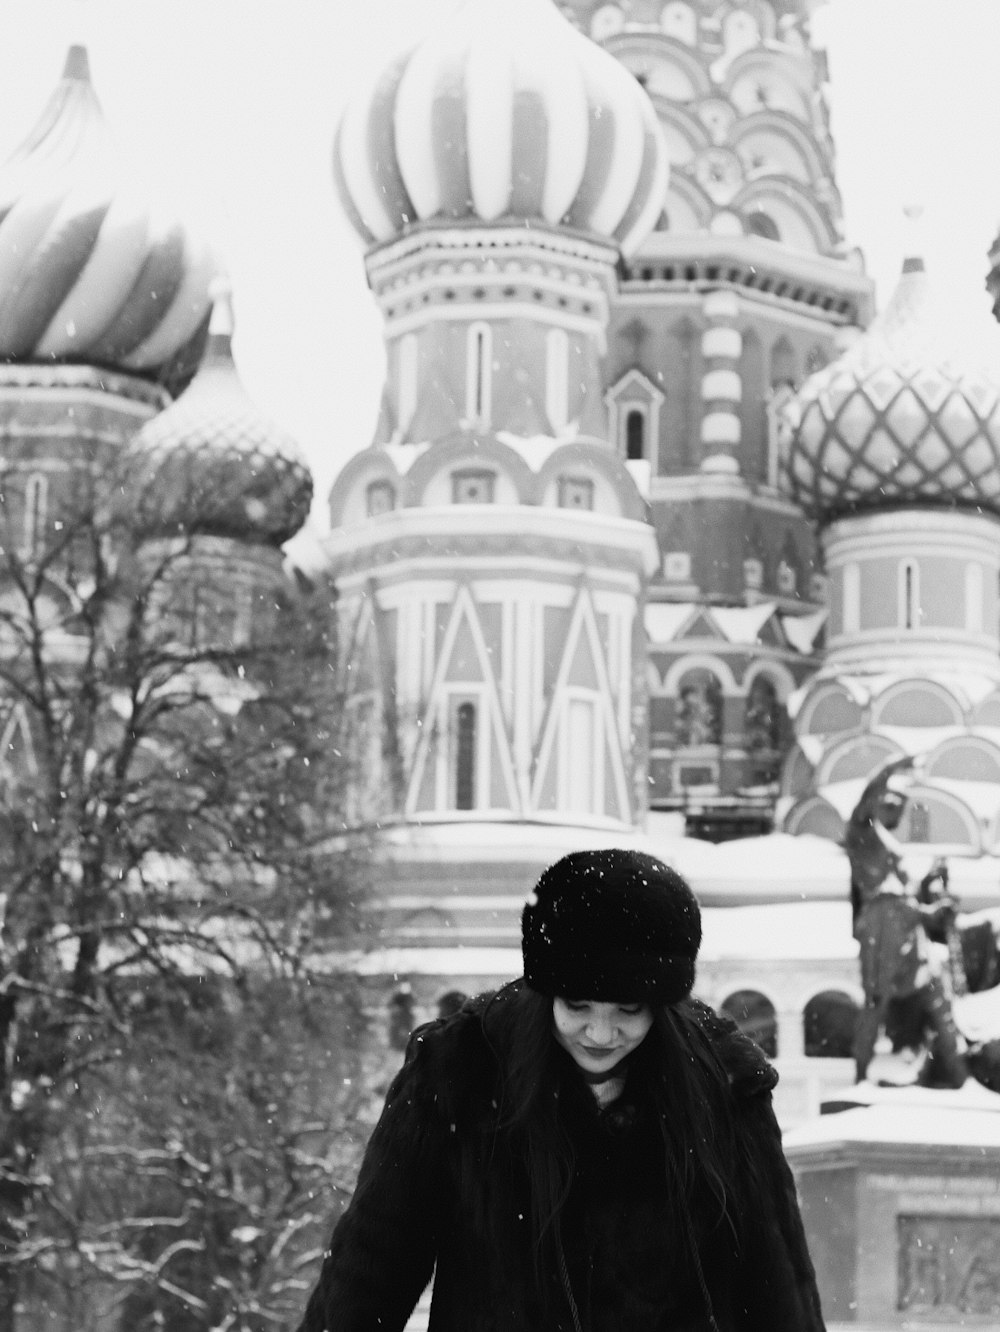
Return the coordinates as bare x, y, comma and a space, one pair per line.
506, 112
87, 272
212, 464
900, 419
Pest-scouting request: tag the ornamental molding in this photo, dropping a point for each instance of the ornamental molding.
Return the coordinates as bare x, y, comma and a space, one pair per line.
833, 292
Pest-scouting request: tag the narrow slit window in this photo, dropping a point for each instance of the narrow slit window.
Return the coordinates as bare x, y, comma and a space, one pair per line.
465, 756
909, 588
635, 434
36, 494
478, 385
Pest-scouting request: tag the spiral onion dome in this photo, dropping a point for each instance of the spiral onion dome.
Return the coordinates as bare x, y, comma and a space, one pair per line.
88, 273
505, 113
900, 419
212, 464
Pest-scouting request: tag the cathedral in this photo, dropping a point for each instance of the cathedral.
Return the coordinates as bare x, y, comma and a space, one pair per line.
663, 537
666, 538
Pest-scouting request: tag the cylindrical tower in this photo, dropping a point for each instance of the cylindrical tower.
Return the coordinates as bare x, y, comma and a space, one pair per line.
217, 489
104, 309
741, 289
490, 548
895, 450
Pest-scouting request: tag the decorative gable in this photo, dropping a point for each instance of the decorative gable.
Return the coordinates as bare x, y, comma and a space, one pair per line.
463, 758
580, 765
634, 410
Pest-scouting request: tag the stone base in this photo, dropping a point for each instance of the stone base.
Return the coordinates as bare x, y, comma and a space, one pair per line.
900, 1193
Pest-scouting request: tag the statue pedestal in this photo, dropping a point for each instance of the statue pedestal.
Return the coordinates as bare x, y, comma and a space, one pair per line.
900, 1194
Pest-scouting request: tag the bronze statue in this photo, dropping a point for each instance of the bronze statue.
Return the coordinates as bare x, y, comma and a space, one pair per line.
903, 992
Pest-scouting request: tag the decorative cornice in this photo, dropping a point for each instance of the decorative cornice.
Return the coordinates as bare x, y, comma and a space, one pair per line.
37, 376
501, 531
792, 279
478, 272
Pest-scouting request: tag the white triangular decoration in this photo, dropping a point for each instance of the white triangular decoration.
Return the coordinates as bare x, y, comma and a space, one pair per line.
583, 621
463, 611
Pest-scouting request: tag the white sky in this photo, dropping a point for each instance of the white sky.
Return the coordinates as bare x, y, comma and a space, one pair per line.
232, 104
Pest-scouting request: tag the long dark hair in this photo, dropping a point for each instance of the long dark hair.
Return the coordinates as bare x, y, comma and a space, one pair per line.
674, 1067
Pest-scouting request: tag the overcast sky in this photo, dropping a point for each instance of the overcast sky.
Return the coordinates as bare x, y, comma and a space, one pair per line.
231, 106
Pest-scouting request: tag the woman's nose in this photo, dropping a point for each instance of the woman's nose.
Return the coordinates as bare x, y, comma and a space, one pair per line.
600, 1031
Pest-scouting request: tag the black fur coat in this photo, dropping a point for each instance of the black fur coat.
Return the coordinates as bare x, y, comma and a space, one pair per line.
442, 1189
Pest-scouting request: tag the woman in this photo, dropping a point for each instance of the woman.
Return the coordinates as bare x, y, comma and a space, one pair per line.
586, 1150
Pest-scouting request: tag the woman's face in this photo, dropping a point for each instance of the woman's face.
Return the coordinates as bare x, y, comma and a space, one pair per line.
599, 1035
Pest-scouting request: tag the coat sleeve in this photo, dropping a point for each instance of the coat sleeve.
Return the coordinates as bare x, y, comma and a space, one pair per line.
776, 1281
382, 1253
779, 1291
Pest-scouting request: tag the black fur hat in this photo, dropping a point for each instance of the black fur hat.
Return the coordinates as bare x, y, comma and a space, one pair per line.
615, 926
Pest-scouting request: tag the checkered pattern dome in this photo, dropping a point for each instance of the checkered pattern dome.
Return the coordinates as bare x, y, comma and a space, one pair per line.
899, 419
211, 463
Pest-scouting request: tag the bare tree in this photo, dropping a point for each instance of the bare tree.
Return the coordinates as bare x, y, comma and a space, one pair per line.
168, 785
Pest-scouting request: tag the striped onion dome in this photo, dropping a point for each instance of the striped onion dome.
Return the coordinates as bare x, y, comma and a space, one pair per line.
506, 112
212, 464
88, 273
902, 418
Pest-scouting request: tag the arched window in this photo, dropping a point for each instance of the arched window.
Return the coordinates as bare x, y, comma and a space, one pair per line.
909, 595
635, 434
407, 378
465, 755
754, 1014
557, 378
699, 711
828, 1024
763, 725
478, 384
36, 497
763, 224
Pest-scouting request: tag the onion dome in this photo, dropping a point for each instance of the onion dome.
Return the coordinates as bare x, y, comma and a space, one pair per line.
88, 273
212, 464
902, 418
505, 113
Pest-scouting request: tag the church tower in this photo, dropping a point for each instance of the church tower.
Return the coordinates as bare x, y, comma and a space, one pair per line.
743, 288
490, 547
104, 310
218, 489
894, 449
